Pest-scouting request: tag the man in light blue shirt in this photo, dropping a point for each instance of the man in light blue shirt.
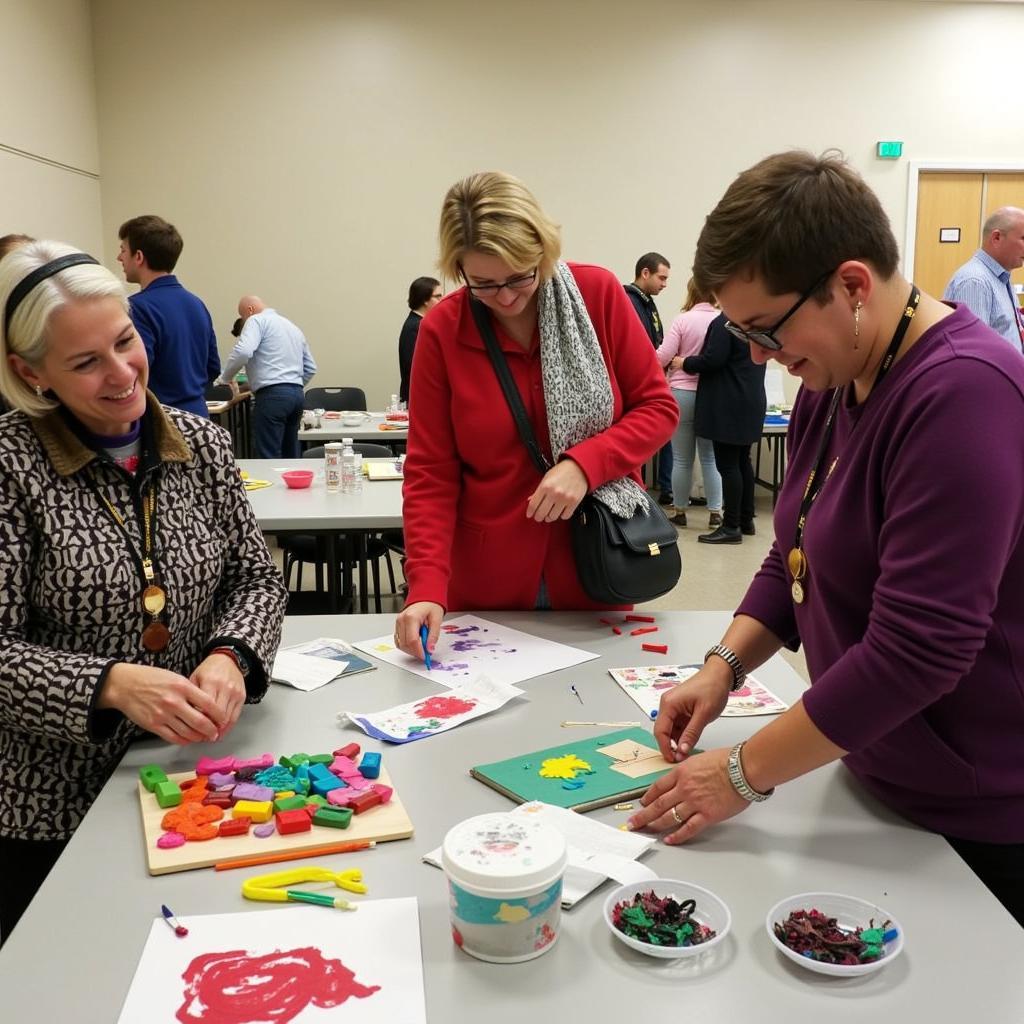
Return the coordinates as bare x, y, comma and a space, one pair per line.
279, 366
983, 282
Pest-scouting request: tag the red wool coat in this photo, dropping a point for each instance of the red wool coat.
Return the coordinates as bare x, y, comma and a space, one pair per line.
468, 476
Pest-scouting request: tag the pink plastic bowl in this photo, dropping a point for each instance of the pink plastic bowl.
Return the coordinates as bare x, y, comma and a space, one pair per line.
298, 478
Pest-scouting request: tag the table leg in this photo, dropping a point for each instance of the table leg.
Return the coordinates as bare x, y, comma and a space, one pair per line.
364, 597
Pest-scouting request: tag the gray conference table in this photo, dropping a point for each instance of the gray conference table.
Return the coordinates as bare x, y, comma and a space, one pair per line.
74, 953
368, 430
280, 509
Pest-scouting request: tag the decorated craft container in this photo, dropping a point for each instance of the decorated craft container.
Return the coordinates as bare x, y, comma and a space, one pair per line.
504, 886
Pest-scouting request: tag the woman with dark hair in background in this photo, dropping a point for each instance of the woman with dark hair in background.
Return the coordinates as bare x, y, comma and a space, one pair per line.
424, 293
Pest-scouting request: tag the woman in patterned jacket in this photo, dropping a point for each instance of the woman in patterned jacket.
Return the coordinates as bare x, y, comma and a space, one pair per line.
136, 591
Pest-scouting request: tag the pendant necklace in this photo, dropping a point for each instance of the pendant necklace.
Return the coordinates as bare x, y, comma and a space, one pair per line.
796, 560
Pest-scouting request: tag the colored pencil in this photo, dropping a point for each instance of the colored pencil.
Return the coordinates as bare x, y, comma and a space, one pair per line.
275, 858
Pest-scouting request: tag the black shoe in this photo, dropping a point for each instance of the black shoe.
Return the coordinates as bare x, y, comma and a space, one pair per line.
747, 528
665, 498
723, 535
678, 518
698, 502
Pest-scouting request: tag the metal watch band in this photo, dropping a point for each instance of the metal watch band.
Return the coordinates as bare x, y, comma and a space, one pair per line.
739, 673
739, 780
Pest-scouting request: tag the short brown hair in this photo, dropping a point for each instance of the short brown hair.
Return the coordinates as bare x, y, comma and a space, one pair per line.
159, 241
790, 219
495, 213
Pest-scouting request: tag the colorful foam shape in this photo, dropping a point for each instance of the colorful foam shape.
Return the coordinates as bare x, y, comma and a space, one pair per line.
321, 758
264, 831
319, 771
369, 766
321, 787
289, 803
209, 765
364, 801
259, 763
385, 792
167, 793
259, 810
332, 817
292, 761
171, 840
252, 791
215, 799
150, 775
350, 750
234, 826
289, 822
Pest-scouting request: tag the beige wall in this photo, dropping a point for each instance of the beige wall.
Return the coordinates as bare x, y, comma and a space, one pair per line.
49, 145
303, 148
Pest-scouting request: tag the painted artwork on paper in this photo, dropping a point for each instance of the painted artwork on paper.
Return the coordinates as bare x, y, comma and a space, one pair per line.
300, 965
430, 715
469, 646
645, 684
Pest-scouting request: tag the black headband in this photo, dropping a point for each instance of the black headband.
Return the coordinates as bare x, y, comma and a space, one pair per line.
26, 284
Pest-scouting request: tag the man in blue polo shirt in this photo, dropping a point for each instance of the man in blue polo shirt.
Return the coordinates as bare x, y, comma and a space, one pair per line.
175, 325
983, 282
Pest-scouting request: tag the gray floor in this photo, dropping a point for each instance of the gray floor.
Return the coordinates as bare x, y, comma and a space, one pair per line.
714, 576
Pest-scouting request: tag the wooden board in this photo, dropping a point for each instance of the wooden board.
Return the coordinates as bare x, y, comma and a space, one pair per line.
382, 824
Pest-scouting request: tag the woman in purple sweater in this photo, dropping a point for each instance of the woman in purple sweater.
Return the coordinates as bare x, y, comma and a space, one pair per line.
911, 614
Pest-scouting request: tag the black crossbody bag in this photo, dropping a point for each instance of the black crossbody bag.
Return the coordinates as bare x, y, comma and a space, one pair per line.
619, 561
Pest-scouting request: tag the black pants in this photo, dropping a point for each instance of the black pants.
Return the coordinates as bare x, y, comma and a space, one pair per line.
24, 865
1000, 866
737, 472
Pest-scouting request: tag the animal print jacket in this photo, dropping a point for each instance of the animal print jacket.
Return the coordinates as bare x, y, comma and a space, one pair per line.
70, 596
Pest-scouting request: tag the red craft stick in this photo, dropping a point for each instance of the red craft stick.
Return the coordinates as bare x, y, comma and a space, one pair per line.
640, 618
616, 631
655, 648
645, 629
605, 622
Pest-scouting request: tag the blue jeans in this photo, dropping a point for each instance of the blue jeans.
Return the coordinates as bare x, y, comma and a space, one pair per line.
275, 421
684, 440
665, 468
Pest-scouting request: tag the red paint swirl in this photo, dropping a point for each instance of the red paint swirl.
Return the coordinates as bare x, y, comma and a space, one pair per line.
238, 988
443, 707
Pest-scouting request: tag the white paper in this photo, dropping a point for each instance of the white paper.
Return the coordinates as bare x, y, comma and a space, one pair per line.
428, 716
470, 646
774, 387
379, 944
646, 683
304, 671
596, 851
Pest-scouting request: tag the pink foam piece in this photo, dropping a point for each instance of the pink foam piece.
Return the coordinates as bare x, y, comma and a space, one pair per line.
341, 797
357, 781
264, 761
385, 791
171, 840
264, 831
209, 765
342, 766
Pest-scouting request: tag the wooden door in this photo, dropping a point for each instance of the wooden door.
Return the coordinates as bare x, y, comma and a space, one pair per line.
946, 203
1005, 190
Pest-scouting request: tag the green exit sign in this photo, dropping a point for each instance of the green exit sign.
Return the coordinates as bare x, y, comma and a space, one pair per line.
890, 150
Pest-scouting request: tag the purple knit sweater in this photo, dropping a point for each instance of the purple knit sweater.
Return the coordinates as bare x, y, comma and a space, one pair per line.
913, 624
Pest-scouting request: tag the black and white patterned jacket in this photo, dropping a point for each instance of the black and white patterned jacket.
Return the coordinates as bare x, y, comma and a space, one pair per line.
70, 596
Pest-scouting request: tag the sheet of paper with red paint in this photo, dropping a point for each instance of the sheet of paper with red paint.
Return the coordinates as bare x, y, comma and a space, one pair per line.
296, 965
597, 851
428, 716
469, 646
646, 683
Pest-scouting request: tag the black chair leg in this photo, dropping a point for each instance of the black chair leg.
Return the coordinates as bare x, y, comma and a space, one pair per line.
286, 570
375, 570
391, 571
319, 577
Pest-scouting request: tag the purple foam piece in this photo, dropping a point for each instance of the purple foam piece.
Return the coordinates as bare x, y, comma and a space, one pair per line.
222, 780
251, 791
264, 831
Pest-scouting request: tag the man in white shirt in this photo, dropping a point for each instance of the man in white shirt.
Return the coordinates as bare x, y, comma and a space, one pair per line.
279, 365
983, 282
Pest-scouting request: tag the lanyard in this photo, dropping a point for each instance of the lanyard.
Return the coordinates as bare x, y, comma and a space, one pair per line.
797, 559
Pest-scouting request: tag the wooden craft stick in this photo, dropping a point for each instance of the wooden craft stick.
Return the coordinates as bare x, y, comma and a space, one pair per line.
274, 858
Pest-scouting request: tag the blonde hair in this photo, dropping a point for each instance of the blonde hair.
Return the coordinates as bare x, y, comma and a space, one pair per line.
27, 333
495, 213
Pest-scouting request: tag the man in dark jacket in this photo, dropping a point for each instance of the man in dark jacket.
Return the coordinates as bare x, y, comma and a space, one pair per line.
649, 278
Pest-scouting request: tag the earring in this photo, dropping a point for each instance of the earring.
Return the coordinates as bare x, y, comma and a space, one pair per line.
856, 322
39, 391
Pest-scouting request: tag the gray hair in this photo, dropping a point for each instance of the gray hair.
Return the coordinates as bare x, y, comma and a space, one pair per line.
27, 333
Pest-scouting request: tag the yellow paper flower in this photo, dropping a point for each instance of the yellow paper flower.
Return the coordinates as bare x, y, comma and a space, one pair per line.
565, 767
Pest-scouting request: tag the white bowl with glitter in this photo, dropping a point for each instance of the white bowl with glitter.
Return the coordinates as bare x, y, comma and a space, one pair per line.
850, 913
710, 911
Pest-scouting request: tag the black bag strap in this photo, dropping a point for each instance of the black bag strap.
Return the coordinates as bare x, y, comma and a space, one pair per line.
508, 385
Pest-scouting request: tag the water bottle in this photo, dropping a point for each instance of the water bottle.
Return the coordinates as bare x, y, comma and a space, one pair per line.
393, 405
348, 467
332, 466
357, 479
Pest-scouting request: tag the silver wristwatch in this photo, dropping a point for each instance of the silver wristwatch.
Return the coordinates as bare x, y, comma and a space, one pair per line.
739, 780
739, 673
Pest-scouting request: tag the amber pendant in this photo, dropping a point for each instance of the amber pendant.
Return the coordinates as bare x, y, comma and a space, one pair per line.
156, 636
797, 590
797, 562
153, 600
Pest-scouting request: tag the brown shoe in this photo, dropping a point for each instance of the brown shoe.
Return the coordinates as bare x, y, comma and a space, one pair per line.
678, 518
714, 520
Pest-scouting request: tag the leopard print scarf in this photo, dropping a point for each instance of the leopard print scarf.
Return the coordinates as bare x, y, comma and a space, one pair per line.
577, 390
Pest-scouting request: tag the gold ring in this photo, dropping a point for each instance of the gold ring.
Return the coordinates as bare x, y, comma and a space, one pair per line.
675, 814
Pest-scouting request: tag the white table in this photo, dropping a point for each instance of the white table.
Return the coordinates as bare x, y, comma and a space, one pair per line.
312, 510
368, 430
73, 955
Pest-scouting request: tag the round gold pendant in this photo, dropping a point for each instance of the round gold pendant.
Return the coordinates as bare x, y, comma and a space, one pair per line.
154, 599
797, 591
797, 562
155, 637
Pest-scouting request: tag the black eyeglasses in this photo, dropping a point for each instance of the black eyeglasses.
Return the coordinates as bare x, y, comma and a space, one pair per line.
515, 284
766, 339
